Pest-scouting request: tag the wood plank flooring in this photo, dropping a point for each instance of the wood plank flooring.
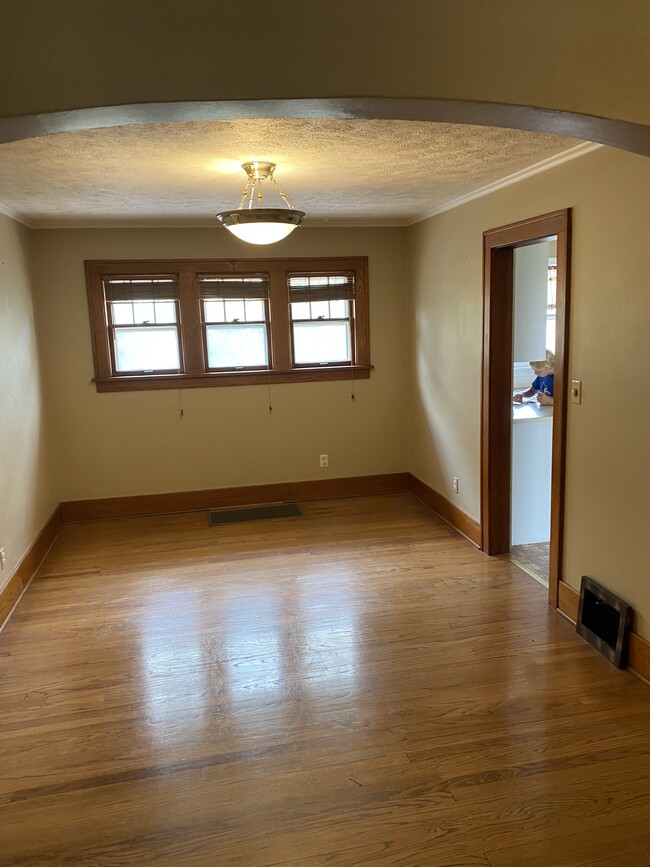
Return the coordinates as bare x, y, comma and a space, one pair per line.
358, 686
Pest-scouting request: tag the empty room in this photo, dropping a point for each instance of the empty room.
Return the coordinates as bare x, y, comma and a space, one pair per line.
323, 454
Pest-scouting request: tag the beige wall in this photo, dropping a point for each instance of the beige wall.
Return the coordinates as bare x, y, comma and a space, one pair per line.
27, 491
585, 56
608, 478
120, 444
135, 443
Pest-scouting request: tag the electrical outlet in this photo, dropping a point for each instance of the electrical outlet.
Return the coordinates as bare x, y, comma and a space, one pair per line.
3, 558
324, 461
455, 484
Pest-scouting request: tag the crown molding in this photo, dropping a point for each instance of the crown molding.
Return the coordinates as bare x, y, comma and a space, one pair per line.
543, 166
15, 217
208, 224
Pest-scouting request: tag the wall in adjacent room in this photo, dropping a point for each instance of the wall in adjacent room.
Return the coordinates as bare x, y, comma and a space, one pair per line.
608, 470
27, 490
134, 443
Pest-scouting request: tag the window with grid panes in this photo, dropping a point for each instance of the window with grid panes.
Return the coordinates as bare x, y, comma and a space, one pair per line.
235, 318
142, 317
321, 318
190, 324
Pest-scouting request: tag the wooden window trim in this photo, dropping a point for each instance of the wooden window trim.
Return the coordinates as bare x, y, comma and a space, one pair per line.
195, 373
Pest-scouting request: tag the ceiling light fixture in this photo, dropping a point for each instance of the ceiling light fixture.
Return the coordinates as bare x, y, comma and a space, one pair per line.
260, 225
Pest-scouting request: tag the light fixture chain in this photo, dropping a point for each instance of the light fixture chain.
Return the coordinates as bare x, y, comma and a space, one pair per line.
252, 193
244, 194
277, 187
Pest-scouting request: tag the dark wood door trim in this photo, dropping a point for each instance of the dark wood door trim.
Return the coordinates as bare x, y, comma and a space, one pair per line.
498, 248
497, 393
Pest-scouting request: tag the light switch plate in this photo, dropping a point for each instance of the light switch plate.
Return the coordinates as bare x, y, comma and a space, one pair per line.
576, 391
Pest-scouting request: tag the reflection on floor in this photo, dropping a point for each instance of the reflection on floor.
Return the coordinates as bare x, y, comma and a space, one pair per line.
533, 559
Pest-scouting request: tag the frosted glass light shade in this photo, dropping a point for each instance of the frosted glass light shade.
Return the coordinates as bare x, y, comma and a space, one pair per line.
261, 233
261, 225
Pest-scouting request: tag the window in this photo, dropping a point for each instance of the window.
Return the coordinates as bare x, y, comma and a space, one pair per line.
321, 318
142, 321
235, 321
186, 324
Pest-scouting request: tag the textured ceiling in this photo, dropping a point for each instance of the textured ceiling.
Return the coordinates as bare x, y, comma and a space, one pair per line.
372, 172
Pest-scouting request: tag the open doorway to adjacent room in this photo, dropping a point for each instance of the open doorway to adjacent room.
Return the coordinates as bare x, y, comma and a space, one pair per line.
534, 320
523, 499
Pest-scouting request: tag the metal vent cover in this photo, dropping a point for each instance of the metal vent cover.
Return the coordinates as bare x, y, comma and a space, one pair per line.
604, 621
256, 513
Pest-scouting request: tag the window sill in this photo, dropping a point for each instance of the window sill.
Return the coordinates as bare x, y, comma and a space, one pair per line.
244, 377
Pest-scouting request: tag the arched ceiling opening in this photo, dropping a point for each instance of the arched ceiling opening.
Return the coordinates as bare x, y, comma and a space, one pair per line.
550, 69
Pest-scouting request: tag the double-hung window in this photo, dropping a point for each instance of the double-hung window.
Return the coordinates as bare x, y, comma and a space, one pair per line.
143, 324
321, 318
190, 324
235, 321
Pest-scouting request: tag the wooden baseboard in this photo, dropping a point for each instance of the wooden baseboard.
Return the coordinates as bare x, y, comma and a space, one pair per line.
76, 511
24, 572
568, 601
449, 513
639, 651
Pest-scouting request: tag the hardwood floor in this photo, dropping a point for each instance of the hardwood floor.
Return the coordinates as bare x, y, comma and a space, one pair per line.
356, 686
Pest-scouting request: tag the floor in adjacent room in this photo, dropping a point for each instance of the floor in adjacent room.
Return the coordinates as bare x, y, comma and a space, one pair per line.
357, 686
534, 559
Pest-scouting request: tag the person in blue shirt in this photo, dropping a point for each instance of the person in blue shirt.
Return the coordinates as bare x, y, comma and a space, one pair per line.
542, 385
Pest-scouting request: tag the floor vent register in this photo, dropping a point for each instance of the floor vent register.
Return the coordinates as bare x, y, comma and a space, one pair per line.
256, 513
604, 621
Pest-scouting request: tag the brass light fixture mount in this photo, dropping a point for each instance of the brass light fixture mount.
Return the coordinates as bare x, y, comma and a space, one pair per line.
259, 171
257, 224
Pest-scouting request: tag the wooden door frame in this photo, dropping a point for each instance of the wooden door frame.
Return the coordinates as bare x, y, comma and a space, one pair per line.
496, 413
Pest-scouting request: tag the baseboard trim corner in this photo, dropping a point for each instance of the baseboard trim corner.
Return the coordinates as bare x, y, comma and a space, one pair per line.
18, 582
450, 514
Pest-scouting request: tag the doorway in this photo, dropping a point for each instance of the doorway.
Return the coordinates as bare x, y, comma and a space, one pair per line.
496, 430
535, 269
